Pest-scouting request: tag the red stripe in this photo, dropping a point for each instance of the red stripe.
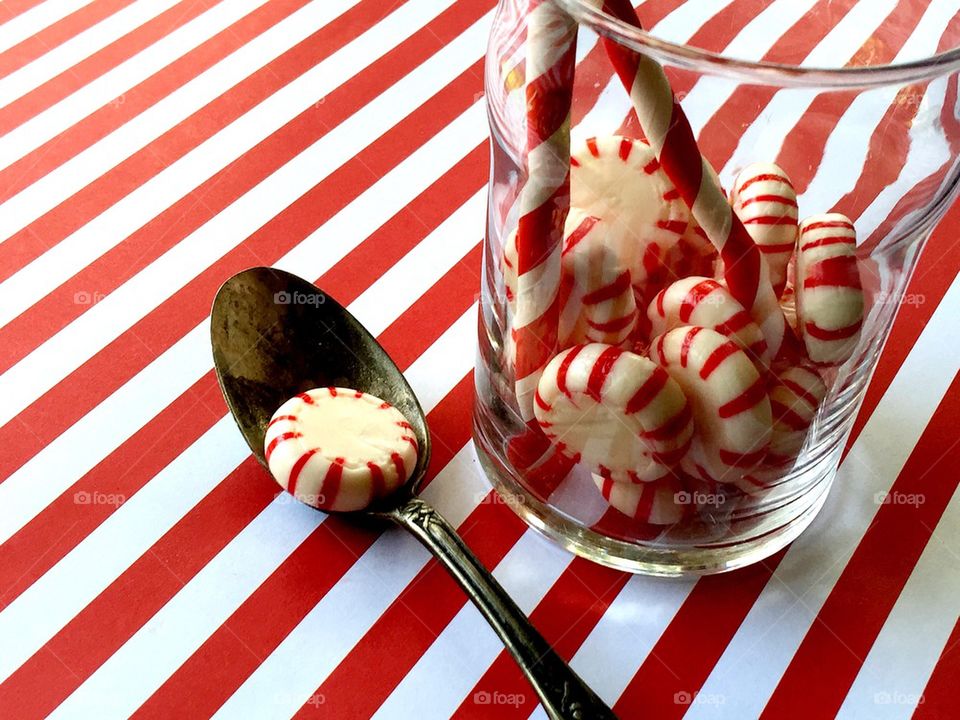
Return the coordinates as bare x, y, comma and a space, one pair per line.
788, 416
763, 177
843, 333
282, 437
565, 368
610, 291
660, 311
671, 428
626, 146
377, 481
695, 296
592, 147
687, 342
741, 460
830, 656
651, 387
612, 326
580, 232
824, 224
279, 418
840, 271
307, 398
775, 249
661, 355
298, 468
602, 367
770, 220
399, 467
716, 358
332, 480
735, 323
748, 399
782, 199
678, 227
800, 391
824, 242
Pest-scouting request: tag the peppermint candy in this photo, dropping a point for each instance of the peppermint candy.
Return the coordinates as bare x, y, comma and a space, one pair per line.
829, 295
653, 502
615, 411
728, 396
339, 449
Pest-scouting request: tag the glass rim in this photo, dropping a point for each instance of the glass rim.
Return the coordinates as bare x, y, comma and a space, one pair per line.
761, 72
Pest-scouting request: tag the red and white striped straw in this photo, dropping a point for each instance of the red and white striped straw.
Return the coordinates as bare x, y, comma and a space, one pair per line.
545, 197
669, 134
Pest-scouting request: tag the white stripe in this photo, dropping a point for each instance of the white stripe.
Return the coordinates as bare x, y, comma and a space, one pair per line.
63, 57
849, 142
623, 638
764, 137
48, 364
32, 21
757, 656
455, 661
168, 639
84, 444
751, 43
291, 674
892, 679
110, 88
47, 605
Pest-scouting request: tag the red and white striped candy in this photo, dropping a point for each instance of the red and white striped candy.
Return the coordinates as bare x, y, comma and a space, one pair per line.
650, 502
669, 133
731, 409
619, 179
765, 201
704, 302
795, 395
601, 282
544, 198
614, 411
339, 449
829, 295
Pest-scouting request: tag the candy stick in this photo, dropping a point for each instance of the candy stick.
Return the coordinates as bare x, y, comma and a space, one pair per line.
669, 133
545, 197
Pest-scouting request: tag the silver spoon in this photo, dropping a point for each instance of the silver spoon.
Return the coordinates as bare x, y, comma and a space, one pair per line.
275, 335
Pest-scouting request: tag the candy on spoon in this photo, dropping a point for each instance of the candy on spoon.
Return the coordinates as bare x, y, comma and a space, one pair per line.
339, 449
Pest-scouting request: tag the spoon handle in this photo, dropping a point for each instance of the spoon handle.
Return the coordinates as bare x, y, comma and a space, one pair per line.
563, 694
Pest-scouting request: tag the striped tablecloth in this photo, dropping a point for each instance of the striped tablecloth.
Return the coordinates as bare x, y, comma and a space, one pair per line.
151, 148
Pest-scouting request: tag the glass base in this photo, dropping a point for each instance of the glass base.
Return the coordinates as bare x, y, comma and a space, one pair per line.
744, 539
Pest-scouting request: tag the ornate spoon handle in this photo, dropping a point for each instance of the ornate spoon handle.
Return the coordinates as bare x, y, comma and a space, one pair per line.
563, 694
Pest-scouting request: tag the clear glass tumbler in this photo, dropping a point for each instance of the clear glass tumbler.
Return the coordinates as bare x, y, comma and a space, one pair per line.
859, 106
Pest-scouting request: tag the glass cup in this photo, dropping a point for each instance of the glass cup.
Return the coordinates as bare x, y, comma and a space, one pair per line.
862, 113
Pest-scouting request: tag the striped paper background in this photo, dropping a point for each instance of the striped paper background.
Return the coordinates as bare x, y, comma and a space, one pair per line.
151, 148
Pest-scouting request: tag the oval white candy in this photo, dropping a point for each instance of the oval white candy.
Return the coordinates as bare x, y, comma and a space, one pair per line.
765, 201
704, 302
731, 408
613, 410
829, 296
657, 502
339, 449
599, 279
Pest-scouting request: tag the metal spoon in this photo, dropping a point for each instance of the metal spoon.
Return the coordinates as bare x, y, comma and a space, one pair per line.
275, 335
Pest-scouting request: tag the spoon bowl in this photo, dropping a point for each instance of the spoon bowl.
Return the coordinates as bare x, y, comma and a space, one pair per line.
275, 335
